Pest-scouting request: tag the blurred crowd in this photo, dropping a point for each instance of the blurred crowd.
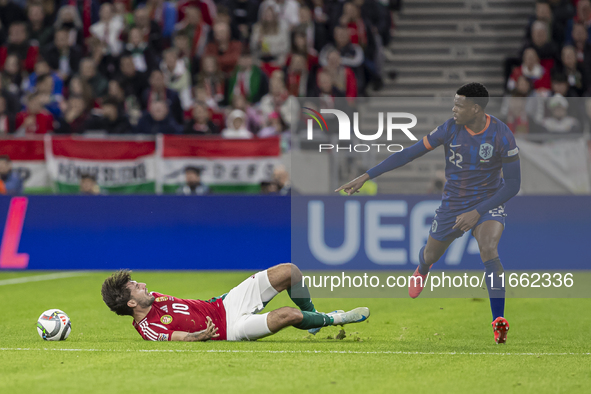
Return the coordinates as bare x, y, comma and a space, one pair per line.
552, 70
194, 67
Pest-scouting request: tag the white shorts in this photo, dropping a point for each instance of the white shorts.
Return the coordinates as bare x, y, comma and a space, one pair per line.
243, 303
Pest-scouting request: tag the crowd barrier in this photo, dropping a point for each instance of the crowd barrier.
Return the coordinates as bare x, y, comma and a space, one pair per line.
254, 232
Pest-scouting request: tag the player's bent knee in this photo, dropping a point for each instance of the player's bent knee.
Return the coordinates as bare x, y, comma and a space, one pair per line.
291, 316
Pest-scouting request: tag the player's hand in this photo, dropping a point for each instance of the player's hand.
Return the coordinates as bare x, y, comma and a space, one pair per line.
354, 185
467, 220
211, 331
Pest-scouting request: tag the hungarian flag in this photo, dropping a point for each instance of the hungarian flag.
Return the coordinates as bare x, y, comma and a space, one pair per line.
225, 164
118, 166
28, 159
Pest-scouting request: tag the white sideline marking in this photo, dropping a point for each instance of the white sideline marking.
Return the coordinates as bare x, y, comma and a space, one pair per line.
297, 351
38, 278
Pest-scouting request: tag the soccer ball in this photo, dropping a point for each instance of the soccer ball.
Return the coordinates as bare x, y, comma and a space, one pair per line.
54, 325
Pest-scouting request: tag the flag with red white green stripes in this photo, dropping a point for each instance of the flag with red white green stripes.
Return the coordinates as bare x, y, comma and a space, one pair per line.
119, 166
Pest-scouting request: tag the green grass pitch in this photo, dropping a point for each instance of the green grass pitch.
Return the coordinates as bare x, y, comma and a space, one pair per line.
407, 346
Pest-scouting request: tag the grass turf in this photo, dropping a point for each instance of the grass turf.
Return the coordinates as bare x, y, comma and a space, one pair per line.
406, 346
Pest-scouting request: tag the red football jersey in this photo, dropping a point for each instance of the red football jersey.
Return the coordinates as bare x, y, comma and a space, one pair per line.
169, 314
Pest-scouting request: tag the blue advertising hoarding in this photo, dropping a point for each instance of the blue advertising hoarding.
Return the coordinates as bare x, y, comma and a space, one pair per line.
254, 232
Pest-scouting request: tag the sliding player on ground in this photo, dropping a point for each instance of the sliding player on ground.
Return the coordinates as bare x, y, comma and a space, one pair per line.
477, 147
232, 316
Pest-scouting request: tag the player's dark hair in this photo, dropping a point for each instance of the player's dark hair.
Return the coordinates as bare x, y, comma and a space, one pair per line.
116, 293
476, 92
5, 158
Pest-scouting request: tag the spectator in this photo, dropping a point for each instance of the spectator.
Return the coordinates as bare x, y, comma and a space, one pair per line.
42, 69
128, 104
108, 119
10, 13
79, 87
269, 41
559, 121
300, 46
164, 13
343, 78
193, 27
286, 10
247, 79
62, 56
583, 17
543, 14
88, 185
212, 80
144, 58
326, 90
200, 122
315, 32
206, 7
517, 119
298, 80
108, 29
225, 50
157, 91
89, 12
279, 100
105, 63
69, 19
35, 119
177, 76
38, 31
531, 69
74, 116
546, 49
244, 15
6, 119
575, 73
562, 11
182, 45
45, 86
12, 75
351, 54
132, 81
580, 39
90, 75
223, 16
157, 121
12, 103
275, 126
13, 183
254, 119
281, 178
149, 29
560, 85
193, 185
236, 126
18, 44
268, 188
359, 29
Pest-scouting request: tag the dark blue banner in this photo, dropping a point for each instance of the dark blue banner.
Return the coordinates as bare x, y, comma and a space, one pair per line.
151, 232
365, 233
253, 232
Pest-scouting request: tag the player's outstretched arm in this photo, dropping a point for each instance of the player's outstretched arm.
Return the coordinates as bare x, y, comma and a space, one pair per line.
203, 335
393, 161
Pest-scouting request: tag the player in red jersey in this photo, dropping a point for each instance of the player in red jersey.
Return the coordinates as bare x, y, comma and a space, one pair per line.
232, 316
